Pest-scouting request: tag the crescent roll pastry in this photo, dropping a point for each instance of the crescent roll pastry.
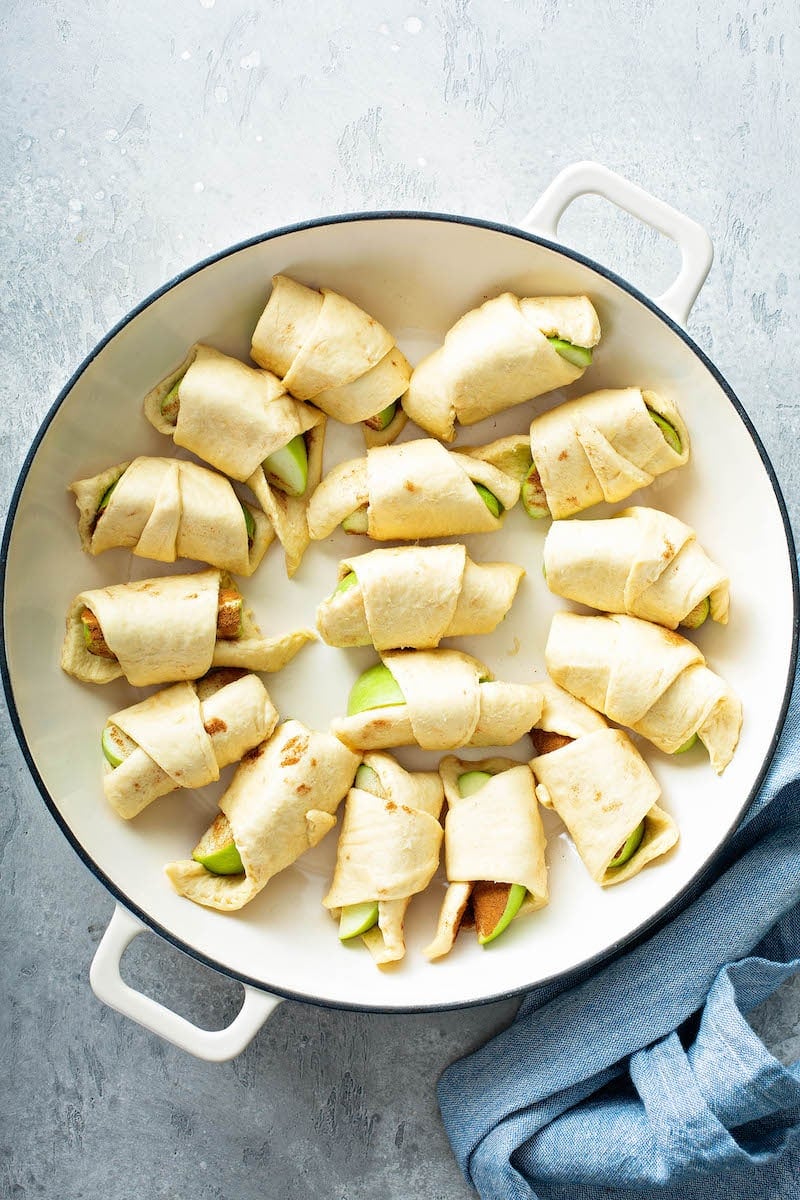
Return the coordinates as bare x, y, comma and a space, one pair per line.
435, 699
281, 802
166, 509
388, 851
647, 678
641, 562
507, 351
413, 596
494, 848
563, 716
182, 737
597, 447
167, 630
601, 788
227, 413
242, 421
328, 350
415, 490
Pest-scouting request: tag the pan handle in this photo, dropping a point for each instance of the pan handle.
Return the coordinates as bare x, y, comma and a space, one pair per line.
590, 178
214, 1045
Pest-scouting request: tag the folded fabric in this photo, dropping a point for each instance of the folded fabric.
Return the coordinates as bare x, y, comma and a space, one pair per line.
388, 849
328, 350
648, 678
413, 596
499, 355
448, 701
416, 490
236, 418
165, 509
642, 562
182, 737
167, 630
602, 446
281, 802
645, 1078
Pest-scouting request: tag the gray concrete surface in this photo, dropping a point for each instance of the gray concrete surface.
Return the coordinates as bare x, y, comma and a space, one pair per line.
137, 139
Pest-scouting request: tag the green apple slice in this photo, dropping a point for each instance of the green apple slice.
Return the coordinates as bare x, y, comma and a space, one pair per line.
287, 468
344, 585
489, 499
375, 688
106, 496
225, 861
367, 780
699, 614
116, 745
628, 847
516, 894
534, 500
357, 919
471, 782
249, 523
579, 356
384, 418
518, 462
687, 745
356, 522
217, 851
172, 402
671, 435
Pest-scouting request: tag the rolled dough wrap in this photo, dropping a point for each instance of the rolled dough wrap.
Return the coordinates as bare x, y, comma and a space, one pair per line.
603, 447
641, 562
602, 789
382, 385
388, 850
413, 596
494, 835
328, 350
415, 490
281, 802
497, 356
647, 678
165, 509
165, 630
231, 415
234, 416
563, 714
185, 735
446, 706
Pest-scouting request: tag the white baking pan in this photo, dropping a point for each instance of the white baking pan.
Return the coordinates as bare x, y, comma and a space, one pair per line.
416, 272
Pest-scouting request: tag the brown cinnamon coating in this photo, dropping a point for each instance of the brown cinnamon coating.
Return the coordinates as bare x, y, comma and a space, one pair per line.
544, 742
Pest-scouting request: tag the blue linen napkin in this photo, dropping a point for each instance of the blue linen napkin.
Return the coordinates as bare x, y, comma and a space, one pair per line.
645, 1077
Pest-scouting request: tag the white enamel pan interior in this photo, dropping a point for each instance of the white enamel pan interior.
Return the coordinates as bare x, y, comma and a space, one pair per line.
417, 273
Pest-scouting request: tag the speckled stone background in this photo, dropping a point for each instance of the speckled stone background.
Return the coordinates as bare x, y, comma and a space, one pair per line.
137, 139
